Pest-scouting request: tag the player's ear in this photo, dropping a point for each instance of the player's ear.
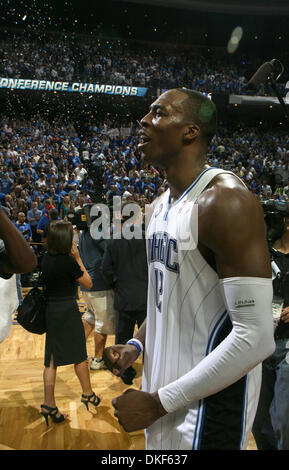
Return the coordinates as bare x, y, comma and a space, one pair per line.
192, 131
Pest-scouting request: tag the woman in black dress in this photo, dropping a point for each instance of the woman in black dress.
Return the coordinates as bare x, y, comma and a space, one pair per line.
62, 271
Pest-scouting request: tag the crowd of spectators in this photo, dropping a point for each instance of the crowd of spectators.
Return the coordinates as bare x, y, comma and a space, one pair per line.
48, 165
45, 166
259, 157
120, 63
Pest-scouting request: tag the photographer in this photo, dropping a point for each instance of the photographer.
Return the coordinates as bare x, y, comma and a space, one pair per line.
271, 425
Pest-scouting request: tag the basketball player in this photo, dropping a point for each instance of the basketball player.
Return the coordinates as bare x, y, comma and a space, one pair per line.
209, 318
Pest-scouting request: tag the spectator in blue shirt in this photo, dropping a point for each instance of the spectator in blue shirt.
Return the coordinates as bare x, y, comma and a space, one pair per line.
6, 184
44, 219
141, 185
33, 217
71, 183
23, 226
56, 199
60, 190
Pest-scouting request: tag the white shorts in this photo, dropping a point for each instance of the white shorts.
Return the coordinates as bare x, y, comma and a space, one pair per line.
101, 311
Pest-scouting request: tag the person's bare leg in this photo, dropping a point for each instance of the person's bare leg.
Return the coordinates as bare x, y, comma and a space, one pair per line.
99, 344
82, 372
88, 327
49, 379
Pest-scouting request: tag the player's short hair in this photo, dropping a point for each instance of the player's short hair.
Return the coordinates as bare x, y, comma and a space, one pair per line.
202, 111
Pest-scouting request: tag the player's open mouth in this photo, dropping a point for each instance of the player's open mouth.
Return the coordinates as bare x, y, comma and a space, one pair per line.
143, 140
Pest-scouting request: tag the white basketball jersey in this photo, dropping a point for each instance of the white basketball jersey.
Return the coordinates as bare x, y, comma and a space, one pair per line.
186, 320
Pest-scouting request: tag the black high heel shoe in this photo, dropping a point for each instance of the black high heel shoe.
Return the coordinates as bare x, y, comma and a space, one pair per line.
52, 412
93, 399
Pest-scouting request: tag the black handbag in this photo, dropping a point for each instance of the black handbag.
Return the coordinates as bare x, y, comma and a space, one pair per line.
31, 313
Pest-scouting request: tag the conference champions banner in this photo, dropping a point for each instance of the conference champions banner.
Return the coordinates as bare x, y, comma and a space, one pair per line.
76, 87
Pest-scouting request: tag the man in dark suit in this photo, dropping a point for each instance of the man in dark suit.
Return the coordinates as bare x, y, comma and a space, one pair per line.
124, 268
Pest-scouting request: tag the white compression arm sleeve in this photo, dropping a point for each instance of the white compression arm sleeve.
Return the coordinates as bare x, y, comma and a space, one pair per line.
249, 303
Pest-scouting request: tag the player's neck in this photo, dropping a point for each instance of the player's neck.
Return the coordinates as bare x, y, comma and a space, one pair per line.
180, 177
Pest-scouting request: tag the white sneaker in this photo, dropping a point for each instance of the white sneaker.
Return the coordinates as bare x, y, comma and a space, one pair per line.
97, 364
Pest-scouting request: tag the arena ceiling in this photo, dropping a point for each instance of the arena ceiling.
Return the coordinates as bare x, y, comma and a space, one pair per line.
206, 23
260, 7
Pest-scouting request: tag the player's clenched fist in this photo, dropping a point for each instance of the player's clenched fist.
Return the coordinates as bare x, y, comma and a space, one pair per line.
119, 357
137, 410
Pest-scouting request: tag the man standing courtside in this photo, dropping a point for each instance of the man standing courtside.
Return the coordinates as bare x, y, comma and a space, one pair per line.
209, 318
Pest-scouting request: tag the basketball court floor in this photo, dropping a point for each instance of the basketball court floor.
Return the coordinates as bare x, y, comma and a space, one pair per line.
21, 393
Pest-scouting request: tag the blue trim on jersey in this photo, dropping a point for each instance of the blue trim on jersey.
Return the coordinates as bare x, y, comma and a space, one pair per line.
194, 183
202, 406
209, 348
244, 419
202, 425
186, 191
197, 422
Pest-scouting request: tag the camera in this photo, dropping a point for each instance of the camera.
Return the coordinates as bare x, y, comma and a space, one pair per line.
81, 219
84, 217
95, 173
274, 213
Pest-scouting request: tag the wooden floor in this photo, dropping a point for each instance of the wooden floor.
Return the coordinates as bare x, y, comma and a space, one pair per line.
21, 393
